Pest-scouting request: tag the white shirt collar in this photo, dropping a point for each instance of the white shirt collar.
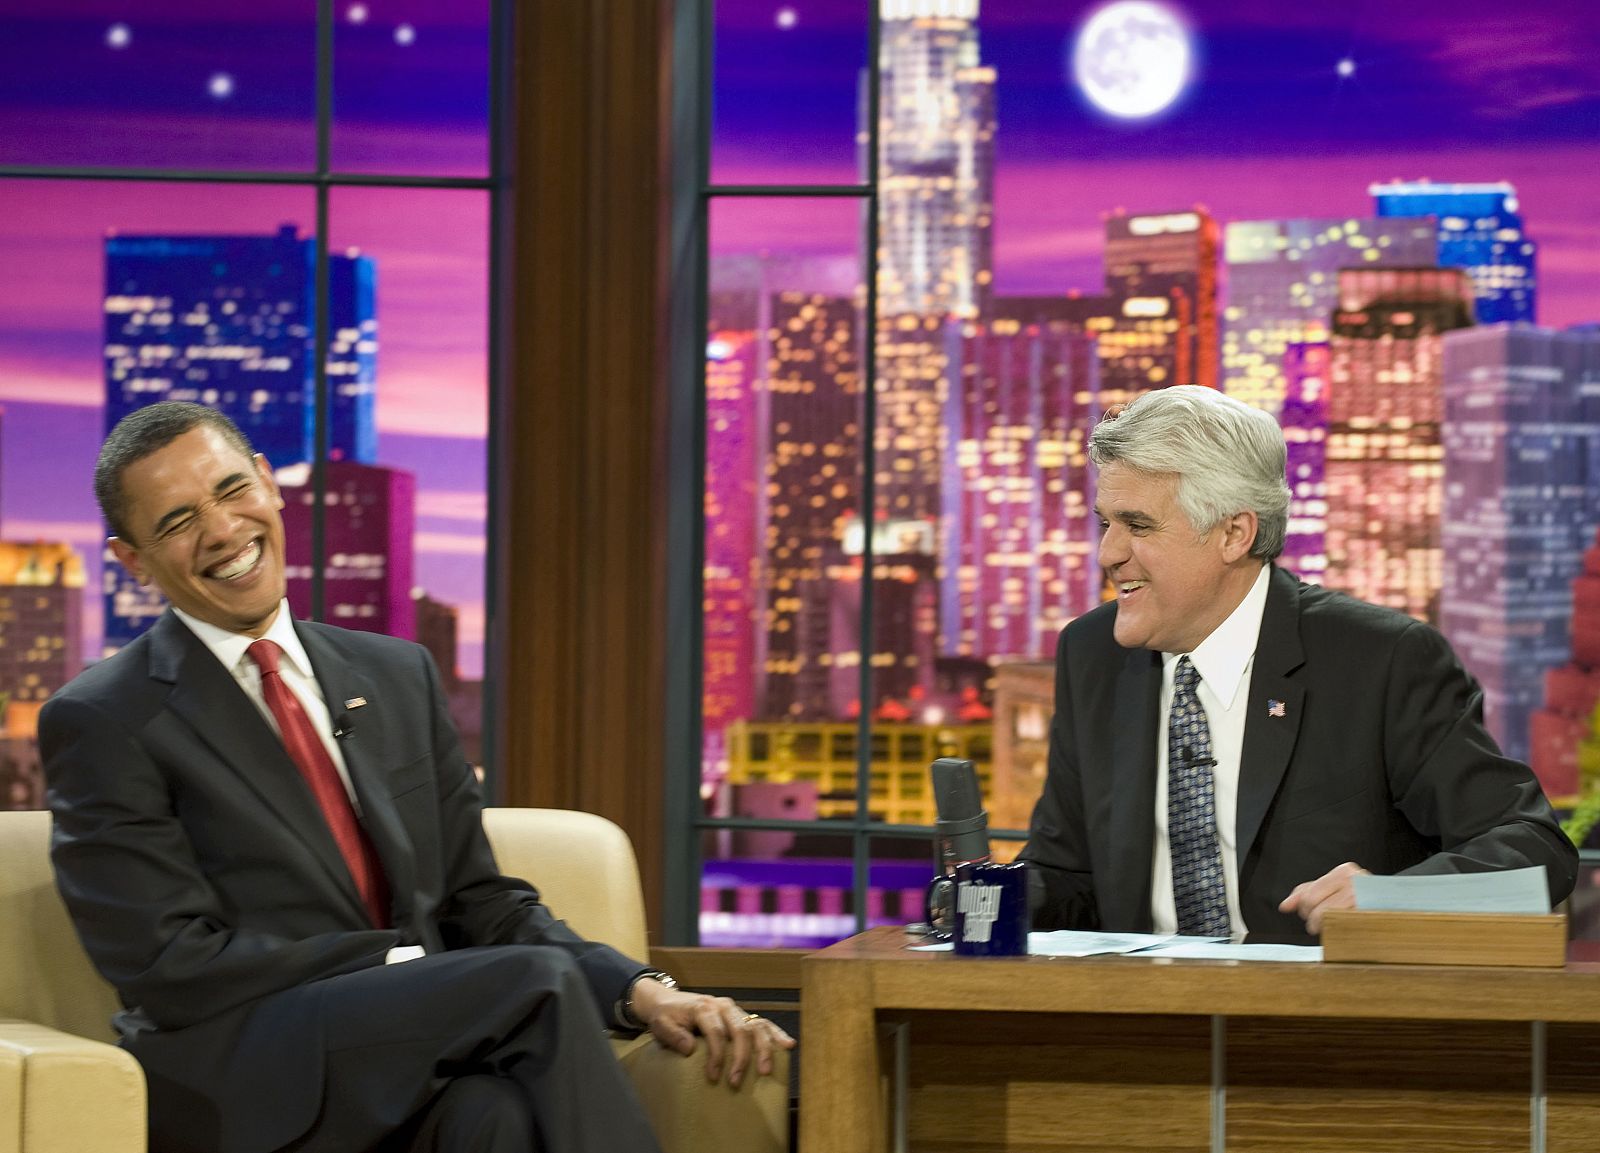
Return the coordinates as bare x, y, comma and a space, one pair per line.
230, 648
1222, 658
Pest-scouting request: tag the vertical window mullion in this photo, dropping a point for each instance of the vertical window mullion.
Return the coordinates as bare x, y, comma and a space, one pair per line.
860, 837
319, 328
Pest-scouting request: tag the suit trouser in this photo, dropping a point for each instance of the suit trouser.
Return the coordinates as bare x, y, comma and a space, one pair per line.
397, 1036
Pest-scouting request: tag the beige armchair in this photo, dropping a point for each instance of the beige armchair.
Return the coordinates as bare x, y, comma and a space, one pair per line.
73, 1091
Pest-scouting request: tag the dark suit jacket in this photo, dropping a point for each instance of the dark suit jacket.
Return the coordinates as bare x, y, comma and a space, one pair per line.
202, 877
1380, 758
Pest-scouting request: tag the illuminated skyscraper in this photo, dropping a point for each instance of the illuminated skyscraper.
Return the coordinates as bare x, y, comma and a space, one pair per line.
1019, 544
1304, 418
910, 439
1481, 232
1161, 277
41, 629
904, 634
1385, 460
1283, 282
811, 459
227, 321
735, 405
1521, 503
370, 518
936, 166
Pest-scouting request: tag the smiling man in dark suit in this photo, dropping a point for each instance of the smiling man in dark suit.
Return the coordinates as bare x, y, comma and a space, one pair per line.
271, 845
1232, 747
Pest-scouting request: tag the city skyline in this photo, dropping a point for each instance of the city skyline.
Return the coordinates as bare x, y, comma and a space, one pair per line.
1357, 319
954, 436
1450, 91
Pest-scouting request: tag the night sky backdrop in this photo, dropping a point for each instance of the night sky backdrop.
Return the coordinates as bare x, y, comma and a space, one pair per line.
1452, 90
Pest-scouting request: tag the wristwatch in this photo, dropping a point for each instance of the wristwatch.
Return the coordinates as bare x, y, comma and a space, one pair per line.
624, 1007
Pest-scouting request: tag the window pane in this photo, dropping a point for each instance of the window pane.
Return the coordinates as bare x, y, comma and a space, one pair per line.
775, 889
788, 78
1046, 253
411, 87
408, 467
114, 295
898, 873
783, 456
153, 83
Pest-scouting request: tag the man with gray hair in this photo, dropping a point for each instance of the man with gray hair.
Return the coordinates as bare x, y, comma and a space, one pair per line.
1232, 747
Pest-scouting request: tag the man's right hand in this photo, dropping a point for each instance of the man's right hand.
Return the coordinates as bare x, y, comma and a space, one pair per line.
1335, 889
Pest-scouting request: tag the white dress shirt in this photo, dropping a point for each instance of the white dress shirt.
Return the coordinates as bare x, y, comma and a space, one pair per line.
232, 649
294, 666
1223, 660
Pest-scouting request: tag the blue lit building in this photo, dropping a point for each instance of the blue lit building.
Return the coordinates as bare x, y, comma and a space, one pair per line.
1481, 232
227, 321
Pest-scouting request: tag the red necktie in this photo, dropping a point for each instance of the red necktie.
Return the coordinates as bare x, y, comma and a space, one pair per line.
316, 766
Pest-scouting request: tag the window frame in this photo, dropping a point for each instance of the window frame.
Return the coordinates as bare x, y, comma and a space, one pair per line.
693, 193
322, 179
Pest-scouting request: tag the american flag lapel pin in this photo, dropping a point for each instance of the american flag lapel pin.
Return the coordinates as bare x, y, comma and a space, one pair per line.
355, 702
1276, 708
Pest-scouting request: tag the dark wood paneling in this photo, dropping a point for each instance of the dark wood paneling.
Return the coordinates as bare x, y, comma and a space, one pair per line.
1331, 1086
582, 522
1572, 1084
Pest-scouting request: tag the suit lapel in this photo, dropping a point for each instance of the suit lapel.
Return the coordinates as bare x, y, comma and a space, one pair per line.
207, 698
1274, 708
1133, 791
365, 758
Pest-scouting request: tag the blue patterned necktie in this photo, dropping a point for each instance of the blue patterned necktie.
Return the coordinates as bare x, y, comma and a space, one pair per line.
1198, 889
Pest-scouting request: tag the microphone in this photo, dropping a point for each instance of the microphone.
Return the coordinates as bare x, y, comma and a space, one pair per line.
961, 835
1187, 761
343, 727
962, 830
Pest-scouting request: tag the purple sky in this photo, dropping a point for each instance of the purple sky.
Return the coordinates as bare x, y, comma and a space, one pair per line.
1447, 89
1453, 91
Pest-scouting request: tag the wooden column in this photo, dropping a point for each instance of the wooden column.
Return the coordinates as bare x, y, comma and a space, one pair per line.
581, 521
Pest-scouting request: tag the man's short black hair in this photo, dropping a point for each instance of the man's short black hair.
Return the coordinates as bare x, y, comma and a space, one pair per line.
142, 432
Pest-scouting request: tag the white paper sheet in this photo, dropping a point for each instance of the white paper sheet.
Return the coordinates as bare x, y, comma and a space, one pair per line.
1079, 943
1227, 951
1508, 891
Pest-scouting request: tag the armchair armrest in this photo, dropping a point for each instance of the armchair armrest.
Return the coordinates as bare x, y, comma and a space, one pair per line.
69, 1093
690, 1115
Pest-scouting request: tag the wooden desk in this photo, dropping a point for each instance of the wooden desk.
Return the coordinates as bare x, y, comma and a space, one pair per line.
951, 1053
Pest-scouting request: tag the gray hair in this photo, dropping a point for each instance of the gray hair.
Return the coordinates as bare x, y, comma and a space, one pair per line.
1228, 457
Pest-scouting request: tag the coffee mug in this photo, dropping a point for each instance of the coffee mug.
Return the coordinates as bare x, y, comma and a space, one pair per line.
991, 909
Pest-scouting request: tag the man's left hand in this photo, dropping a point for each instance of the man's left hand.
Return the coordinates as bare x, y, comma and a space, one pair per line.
733, 1037
1335, 889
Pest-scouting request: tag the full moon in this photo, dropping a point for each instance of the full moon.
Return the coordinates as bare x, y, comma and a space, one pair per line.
1132, 58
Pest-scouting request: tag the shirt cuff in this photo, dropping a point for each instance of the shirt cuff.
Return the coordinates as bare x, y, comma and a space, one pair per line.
402, 953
